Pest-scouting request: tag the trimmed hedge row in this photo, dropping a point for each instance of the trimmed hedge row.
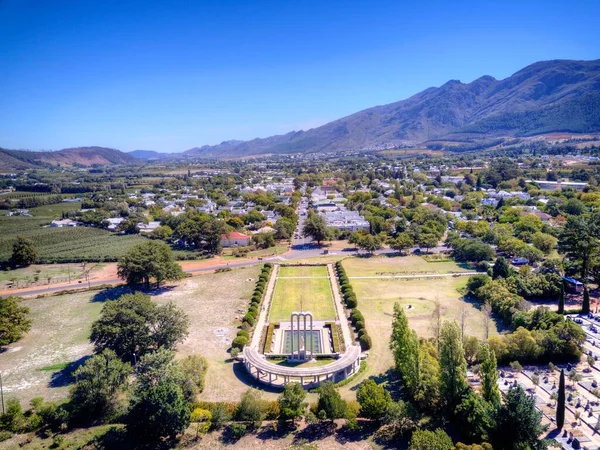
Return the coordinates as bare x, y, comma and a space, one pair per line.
249, 319
356, 317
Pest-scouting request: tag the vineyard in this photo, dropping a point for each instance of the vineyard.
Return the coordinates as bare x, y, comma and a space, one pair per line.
68, 244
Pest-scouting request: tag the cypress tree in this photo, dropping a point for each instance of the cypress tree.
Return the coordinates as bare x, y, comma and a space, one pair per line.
489, 376
560, 404
585, 306
561, 299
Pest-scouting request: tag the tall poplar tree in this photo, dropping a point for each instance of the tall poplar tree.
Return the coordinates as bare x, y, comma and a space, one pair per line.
405, 346
453, 366
489, 376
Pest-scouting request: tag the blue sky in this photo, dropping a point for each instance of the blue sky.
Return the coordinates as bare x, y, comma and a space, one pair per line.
171, 75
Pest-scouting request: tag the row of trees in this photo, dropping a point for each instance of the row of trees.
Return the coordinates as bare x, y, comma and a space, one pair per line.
434, 373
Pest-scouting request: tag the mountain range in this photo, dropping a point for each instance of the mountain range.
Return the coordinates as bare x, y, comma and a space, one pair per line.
545, 97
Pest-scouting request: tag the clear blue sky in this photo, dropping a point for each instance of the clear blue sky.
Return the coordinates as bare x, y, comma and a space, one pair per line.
168, 75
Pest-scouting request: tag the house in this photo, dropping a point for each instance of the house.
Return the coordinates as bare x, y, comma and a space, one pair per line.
572, 285
235, 239
113, 223
63, 223
149, 227
519, 261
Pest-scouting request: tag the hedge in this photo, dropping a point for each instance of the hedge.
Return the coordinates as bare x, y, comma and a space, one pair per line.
365, 341
243, 333
239, 342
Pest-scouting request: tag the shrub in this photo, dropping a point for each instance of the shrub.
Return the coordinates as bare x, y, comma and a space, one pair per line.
240, 342
243, 333
249, 319
355, 316
351, 302
360, 325
365, 341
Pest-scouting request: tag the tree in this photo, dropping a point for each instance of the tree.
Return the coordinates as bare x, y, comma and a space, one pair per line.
561, 299
585, 304
98, 386
134, 324
428, 240
194, 369
453, 367
519, 422
374, 400
152, 260
501, 269
252, 407
579, 241
402, 242
489, 376
158, 410
544, 242
202, 418
24, 252
369, 243
486, 311
201, 231
435, 322
475, 417
315, 227
430, 440
405, 346
291, 402
13, 320
330, 405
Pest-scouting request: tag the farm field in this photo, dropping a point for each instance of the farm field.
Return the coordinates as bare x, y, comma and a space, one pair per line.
66, 244
55, 211
376, 298
46, 274
61, 326
296, 294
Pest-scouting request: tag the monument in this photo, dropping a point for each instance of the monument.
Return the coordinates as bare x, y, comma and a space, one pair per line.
299, 334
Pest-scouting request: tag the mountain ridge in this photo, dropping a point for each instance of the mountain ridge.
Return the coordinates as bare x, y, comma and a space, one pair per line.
536, 99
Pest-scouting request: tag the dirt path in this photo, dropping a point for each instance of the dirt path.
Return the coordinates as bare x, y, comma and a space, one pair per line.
339, 307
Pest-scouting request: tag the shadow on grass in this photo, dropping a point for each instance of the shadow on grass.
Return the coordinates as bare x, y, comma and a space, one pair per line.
115, 292
315, 432
242, 374
345, 436
64, 377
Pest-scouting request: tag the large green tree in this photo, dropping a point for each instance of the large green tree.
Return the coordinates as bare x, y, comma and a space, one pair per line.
519, 422
374, 400
14, 322
158, 410
99, 384
453, 366
315, 227
330, 405
135, 324
579, 241
201, 231
150, 261
24, 252
291, 402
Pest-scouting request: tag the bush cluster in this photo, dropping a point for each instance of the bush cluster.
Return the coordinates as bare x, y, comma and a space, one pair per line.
243, 336
351, 302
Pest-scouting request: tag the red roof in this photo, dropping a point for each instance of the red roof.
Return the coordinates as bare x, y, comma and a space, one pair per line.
235, 235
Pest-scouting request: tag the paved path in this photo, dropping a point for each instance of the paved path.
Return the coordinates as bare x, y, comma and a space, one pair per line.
264, 310
424, 275
339, 307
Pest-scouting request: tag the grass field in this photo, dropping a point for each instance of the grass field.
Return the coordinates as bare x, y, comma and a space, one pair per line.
376, 298
302, 294
61, 325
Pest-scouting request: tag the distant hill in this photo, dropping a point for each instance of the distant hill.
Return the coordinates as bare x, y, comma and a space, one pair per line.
85, 156
148, 155
544, 97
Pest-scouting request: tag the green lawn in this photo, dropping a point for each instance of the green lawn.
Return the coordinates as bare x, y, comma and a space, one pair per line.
296, 294
298, 271
55, 211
